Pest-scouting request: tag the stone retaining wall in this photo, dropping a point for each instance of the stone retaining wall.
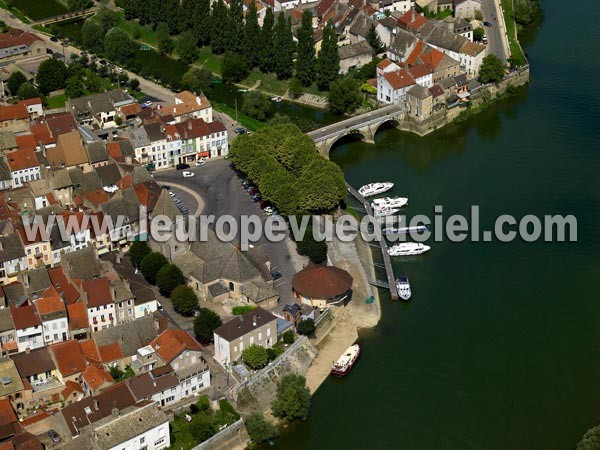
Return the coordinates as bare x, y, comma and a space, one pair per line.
233, 431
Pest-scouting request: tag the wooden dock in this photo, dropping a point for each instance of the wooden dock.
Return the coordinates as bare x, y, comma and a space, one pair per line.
387, 262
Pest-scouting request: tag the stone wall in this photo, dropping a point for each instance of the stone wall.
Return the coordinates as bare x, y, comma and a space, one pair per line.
259, 391
235, 431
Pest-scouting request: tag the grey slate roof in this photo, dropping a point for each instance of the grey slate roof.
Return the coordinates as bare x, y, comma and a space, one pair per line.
4, 171
38, 280
244, 323
15, 294
140, 174
109, 174
61, 179
130, 336
402, 43
124, 203
419, 92
259, 290
81, 263
350, 51
103, 102
138, 137
96, 152
84, 183
154, 131
11, 248
8, 371
6, 320
165, 206
361, 25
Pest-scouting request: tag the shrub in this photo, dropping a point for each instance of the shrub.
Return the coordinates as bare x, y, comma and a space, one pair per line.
184, 300
271, 354
226, 414
257, 105
151, 264
255, 357
194, 409
234, 68
203, 403
288, 337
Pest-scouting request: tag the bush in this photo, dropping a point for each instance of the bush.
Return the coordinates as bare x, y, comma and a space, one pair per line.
151, 264
184, 300
239, 310
255, 357
491, 69
295, 88
271, 354
26, 91
293, 398
202, 427
203, 403
168, 278
137, 251
194, 409
288, 337
259, 429
344, 96
306, 327
205, 323
15, 81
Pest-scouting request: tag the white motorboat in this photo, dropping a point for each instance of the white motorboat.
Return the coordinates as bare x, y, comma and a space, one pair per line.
408, 249
383, 212
344, 364
390, 202
371, 189
403, 287
406, 230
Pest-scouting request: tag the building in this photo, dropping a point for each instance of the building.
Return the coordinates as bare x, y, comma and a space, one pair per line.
354, 56
392, 86
24, 166
321, 286
12, 257
466, 9
99, 110
420, 102
53, 314
100, 304
188, 105
17, 44
254, 327
28, 327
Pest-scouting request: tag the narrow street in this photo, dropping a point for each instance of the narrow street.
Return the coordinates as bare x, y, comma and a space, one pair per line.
496, 34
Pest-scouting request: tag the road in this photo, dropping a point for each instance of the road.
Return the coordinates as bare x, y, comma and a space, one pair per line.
222, 193
354, 122
496, 34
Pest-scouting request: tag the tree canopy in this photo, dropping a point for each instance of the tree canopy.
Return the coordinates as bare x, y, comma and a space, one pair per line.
92, 36
117, 45
306, 327
590, 440
328, 60
151, 264
184, 300
293, 398
491, 69
15, 81
137, 251
306, 62
27, 90
255, 357
168, 278
344, 95
165, 43
257, 105
234, 68
52, 75
205, 323
186, 47
374, 40
197, 80
259, 429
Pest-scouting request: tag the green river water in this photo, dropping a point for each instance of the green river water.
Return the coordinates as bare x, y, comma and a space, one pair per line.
499, 347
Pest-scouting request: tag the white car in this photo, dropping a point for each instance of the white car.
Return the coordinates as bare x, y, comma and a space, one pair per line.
120, 70
268, 210
188, 174
199, 163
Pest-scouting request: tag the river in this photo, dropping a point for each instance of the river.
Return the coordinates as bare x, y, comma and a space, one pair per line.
499, 347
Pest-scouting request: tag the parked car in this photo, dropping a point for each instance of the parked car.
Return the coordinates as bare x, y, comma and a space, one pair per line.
256, 198
487, 24
268, 210
166, 186
187, 174
54, 437
199, 163
103, 62
182, 166
177, 201
83, 54
275, 275
120, 70
239, 130
147, 104
54, 39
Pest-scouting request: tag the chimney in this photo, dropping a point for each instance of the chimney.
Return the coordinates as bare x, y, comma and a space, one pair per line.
254, 320
114, 412
27, 350
96, 407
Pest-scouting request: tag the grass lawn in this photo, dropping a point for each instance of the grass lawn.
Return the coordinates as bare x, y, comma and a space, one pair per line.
40, 9
58, 101
181, 435
269, 82
207, 60
146, 33
247, 122
509, 19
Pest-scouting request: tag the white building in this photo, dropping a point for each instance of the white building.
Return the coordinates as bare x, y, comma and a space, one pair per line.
28, 327
100, 304
53, 314
392, 82
465, 9
12, 257
24, 166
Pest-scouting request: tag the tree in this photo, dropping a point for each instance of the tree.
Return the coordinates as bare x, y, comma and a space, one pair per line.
478, 34
168, 278
295, 88
267, 35
328, 60
235, 22
293, 398
491, 69
74, 87
315, 250
26, 90
76, 5
106, 18
15, 81
197, 80
186, 47
234, 68
137, 251
251, 41
165, 43
203, 427
218, 35
283, 43
527, 11
117, 45
288, 337
590, 440
52, 75
184, 300
306, 62
478, 15
259, 429
205, 323
306, 327
257, 105
151, 264
344, 95
374, 40
134, 84
255, 357
201, 22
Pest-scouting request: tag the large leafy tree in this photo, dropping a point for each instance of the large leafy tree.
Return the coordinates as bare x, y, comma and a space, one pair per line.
27, 90
52, 75
234, 68
283, 63
344, 95
259, 429
75, 87
184, 300
117, 45
257, 105
491, 69
306, 62
328, 60
251, 39
168, 278
15, 81
374, 40
201, 22
255, 357
186, 47
306, 327
186, 14
205, 323
590, 440
92, 36
165, 42
219, 29
293, 398
76, 5
151, 264
106, 18
197, 80
137, 251
235, 25
267, 35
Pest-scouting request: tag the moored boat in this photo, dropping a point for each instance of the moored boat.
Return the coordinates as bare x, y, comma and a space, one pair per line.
408, 249
385, 211
375, 188
406, 230
403, 287
390, 202
344, 364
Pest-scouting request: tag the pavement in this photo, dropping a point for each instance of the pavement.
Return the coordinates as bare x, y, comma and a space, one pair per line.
496, 34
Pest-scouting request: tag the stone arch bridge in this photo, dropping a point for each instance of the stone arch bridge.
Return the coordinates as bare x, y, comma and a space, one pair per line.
365, 126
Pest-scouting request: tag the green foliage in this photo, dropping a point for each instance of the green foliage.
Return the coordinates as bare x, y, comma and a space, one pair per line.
52, 75
255, 357
288, 337
235, 25
257, 105
226, 415
3, 27
184, 299
251, 39
267, 36
134, 84
15, 81
205, 323
295, 88
315, 250
306, 327
151, 264
219, 19
234, 68
590, 440
259, 429
344, 96
137, 251
203, 403
119, 374
328, 60
322, 186
197, 80
165, 43
201, 22
106, 18
491, 69
527, 11
478, 34
306, 62
186, 47
239, 310
293, 398
117, 45
168, 278
366, 87
374, 40
478, 15
202, 427
283, 43
76, 5
26, 90
74, 87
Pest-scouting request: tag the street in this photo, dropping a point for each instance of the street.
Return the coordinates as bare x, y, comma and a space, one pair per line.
496, 34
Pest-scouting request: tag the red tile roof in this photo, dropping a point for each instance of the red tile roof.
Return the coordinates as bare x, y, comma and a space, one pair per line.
96, 198
412, 58
110, 352
419, 71
42, 133
131, 110
95, 377
25, 141
15, 37
7, 413
399, 79
50, 302
32, 101
13, 112
114, 150
98, 292
412, 19
89, 350
25, 317
432, 58
63, 286
78, 318
70, 388
68, 357
22, 159
171, 343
